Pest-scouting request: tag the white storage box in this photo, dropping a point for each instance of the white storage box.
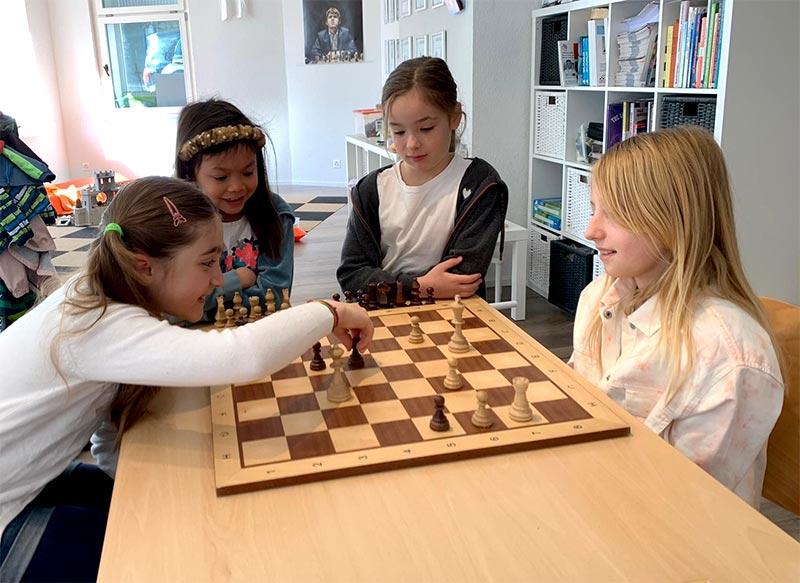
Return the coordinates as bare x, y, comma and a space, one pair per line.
551, 122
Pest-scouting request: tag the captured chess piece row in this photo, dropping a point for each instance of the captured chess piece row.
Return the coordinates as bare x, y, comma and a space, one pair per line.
240, 314
383, 295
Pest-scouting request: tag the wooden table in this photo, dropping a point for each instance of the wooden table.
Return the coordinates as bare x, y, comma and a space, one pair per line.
623, 509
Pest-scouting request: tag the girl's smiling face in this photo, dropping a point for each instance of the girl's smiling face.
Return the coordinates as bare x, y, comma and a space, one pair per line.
229, 179
624, 253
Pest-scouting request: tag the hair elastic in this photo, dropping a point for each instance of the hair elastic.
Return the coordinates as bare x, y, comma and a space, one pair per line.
177, 217
113, 227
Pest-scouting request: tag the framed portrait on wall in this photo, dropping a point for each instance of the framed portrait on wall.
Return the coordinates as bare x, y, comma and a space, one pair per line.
439, 44
421, 46
334, 31
420, 5
405, 8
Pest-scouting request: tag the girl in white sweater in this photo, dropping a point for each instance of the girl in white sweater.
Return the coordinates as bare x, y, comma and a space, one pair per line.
92, 353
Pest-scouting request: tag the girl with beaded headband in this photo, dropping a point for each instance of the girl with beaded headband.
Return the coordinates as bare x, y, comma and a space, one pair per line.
110, 346
222, 152
673, 331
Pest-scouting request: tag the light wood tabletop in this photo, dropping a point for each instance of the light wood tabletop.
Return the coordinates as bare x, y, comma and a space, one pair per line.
622, 509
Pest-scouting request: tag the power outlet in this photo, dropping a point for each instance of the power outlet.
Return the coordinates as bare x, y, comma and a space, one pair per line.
337, 163
85, 167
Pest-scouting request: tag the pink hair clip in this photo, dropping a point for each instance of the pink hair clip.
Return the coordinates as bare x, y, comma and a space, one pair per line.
177, 217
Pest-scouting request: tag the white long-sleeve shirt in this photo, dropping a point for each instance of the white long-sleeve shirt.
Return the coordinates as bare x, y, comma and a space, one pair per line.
727, 405
46, 418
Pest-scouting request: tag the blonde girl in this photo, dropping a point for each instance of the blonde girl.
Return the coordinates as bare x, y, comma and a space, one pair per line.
434, 216
108, 347
673, 331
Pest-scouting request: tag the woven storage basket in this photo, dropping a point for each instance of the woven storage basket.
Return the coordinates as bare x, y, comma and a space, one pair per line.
539, 251
599, 268
578, 204
554, 29
571, 267
551, 121
678, 111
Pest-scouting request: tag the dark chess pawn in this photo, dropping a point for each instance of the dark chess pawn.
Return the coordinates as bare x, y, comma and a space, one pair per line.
336, 297
317, 363
429, 299
355, 360
415, 301
348, 297
439, 420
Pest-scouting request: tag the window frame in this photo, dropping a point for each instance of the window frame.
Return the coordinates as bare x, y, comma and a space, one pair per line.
176, 12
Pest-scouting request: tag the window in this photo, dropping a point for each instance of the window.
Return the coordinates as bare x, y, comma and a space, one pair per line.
143, 46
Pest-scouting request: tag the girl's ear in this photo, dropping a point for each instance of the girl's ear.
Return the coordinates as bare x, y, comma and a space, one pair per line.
144, 266
455, 119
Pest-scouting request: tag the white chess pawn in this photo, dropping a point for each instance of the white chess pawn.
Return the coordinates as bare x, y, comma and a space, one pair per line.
453, 380
270, 301
253, 305
416, 336
520, 409
229, 319
285, 305
237, 302
339, 388
481, 417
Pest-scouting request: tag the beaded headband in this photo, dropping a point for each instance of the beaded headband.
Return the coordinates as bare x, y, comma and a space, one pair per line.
220, 135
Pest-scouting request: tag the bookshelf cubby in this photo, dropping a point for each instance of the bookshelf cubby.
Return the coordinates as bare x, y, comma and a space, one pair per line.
550, 175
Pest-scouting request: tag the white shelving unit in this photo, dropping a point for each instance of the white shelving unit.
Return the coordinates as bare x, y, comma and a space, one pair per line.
756, 122
363, 155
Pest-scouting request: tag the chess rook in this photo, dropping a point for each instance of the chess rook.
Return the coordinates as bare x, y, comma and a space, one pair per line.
520, 409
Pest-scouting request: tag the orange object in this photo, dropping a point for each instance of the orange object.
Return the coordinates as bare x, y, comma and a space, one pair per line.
299, 233
101, 198
62, 199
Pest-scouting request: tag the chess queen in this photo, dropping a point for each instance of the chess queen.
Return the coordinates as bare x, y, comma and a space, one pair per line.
433, 216
84, 363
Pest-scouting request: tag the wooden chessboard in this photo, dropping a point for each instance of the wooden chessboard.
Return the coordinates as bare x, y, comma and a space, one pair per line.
283, 430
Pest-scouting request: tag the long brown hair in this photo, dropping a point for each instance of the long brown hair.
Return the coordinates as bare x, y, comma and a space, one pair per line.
110, 273
202, 116
672, 186
432, 78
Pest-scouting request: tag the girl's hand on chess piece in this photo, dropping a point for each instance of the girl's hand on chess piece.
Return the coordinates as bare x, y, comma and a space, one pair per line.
448, 285
352, 320
247, 277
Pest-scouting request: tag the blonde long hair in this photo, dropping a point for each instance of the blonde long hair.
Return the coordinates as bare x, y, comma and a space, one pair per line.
110, 275
672, 187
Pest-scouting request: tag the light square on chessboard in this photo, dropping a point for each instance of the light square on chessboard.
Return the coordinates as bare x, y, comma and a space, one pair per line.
406, 345
395, 319
391, 358
544, 391
354, 438
480, 334
306, 422
265, 451
506, 359
413, 388
436, 327
504, 413
382, 333
295, 386
485, 379
433, 368
459, 401
423, 425
384, 411
257, 409
365, 376
323, 403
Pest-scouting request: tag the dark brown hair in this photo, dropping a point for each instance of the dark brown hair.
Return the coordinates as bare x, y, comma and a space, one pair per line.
428, 75
110, 274
202, 116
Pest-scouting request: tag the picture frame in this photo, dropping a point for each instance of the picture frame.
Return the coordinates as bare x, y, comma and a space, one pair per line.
438, 47
393, 46
420, 5
421, 46
405, 8
406, 45
437, 3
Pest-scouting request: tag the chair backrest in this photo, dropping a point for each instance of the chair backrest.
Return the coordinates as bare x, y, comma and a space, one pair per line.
782, 480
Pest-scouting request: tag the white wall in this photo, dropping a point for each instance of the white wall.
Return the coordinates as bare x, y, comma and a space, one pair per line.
47, 139
501, 45
761, 150
321, 98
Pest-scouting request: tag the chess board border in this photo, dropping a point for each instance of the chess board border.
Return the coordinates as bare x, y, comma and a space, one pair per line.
232, 478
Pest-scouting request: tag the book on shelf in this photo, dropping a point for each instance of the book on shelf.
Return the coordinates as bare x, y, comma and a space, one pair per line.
552, 203
568, 63
597, 52
547, 221
627, 119
692, 57
636, 57
583, 61
647, 15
